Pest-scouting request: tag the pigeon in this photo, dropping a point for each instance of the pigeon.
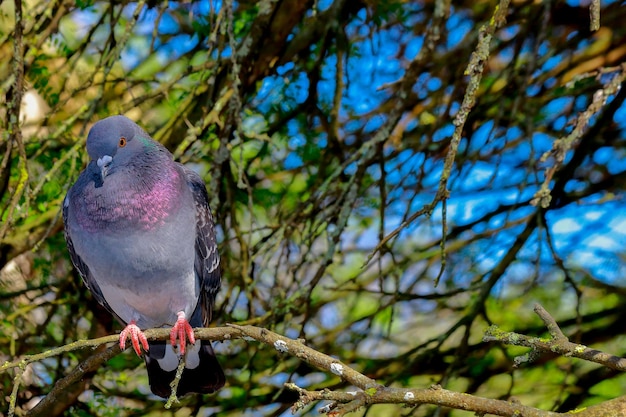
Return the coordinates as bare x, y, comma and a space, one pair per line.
140, 232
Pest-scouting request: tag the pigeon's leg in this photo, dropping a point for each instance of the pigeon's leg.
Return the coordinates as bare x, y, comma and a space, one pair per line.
136, 336
182, 331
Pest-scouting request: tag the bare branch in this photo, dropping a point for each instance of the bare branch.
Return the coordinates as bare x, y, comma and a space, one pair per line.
563, 145
594, 14
369, 391
557, 343
345, 402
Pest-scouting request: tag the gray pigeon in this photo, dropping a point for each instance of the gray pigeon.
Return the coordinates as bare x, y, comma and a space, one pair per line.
140, 233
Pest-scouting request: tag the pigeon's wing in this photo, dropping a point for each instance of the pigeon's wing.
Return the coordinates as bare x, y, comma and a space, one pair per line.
207, 263
82, 268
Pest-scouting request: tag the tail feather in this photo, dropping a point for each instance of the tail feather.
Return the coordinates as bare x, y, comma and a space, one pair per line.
205, 377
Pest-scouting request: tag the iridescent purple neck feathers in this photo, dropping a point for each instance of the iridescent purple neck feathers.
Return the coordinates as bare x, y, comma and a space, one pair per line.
121, 200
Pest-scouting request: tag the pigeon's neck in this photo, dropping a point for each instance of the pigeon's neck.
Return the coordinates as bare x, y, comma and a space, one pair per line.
133, 200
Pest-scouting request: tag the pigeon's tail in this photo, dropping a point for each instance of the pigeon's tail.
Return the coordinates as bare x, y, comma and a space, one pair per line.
202, 373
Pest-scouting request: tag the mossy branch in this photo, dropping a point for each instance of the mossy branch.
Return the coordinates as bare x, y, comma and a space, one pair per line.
367, 392
557, 343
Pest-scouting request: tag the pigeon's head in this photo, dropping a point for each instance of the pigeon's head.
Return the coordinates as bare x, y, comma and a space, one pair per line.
116, 141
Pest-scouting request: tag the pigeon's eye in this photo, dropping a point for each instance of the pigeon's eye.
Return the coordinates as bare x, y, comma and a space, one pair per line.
122, 142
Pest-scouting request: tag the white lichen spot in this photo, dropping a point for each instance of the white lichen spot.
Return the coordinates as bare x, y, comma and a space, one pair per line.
336, 369
353, 393
281, 346
409, 396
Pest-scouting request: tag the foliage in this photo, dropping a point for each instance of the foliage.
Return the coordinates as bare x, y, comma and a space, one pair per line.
323, 130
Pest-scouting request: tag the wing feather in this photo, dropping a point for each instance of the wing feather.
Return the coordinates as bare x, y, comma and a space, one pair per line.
207, 263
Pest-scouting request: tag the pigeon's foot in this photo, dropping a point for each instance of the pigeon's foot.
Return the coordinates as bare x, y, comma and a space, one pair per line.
136, 336
182, 331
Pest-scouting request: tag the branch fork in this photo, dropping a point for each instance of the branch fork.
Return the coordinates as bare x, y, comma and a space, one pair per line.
557, 343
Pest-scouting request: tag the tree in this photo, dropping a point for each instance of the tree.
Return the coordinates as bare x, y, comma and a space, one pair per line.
390, 180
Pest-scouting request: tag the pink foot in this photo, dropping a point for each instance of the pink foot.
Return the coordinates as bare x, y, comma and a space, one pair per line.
136, 336
182, 331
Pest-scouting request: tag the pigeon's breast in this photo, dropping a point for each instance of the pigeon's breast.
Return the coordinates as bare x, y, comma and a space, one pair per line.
145, 274
125, 201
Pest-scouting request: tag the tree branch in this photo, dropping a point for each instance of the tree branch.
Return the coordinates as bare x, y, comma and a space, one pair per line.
13, 122
370, 392
557, 343
345, 402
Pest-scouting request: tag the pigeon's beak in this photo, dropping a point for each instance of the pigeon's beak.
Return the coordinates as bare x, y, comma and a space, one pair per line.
104, 163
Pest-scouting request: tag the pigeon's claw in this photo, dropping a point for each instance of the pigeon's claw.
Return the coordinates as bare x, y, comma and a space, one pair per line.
136, 337
182, 331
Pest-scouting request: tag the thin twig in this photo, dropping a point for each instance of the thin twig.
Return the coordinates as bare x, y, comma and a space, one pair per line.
550, 322
563, 145
594, 14
475, 70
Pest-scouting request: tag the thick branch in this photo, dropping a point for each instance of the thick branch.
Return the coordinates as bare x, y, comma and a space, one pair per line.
413, 397
57, 397
370, 392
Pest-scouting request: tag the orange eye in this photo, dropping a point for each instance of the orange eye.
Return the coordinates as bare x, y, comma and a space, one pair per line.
122, 142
